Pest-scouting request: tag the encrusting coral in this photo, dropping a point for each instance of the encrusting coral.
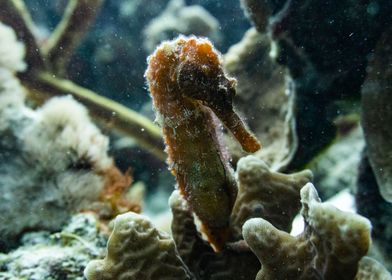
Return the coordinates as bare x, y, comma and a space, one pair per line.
138, 251
187, 81
330, 247
263, 193
60, 255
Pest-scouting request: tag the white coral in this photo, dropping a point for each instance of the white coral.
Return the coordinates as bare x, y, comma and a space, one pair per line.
64, 126
11, 51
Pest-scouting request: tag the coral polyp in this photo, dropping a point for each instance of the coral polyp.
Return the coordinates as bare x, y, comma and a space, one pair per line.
189, 89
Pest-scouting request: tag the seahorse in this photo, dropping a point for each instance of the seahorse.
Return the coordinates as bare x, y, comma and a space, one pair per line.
189, 90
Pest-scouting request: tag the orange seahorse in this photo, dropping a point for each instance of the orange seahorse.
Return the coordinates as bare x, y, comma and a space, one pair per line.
189, 87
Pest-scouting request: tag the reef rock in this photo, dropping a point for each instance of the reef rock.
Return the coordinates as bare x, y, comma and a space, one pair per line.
61, 255
336, 168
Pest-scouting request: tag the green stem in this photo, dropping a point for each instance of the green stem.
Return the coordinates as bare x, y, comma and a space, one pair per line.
45, 85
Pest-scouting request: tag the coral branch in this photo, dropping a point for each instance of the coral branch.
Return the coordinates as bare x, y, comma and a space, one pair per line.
15, 14
263, 193
78, 17
186, 80
107, 111
137, 250
236, 261
331, 246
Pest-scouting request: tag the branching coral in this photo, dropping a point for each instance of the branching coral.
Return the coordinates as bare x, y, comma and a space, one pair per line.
330, 247
138, 251
187, 81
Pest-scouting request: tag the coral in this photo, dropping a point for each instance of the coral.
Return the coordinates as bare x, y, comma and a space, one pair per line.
377, 114
263, 89
178, 18
330, 247
53, 162
347, 31
11, 60
186, 81
12, 52
369, 269
258, 12
117, 196
234, 262
136, 250
65, 126
263, 193
334, 168
371, 204
45, 63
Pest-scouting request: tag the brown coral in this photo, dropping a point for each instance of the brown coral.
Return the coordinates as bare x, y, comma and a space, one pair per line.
370, 269
331, 246
235, 262
263, 193
186, 82
137, 251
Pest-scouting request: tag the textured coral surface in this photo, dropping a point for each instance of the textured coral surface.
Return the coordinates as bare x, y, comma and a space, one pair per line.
138, 251
330, 247
263, 193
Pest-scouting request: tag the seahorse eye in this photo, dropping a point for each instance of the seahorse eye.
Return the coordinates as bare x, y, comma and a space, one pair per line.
190, 74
